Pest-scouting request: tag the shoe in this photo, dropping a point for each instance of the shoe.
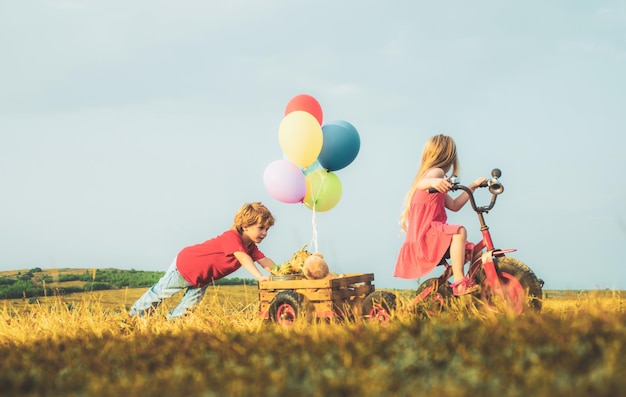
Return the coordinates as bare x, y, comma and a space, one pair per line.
463, 287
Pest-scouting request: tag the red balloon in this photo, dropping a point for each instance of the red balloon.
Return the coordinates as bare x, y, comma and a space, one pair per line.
305, 103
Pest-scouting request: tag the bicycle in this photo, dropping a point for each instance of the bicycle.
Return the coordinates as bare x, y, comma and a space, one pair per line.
503, 281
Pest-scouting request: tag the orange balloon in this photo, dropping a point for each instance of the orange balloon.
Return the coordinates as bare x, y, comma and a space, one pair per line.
307, 104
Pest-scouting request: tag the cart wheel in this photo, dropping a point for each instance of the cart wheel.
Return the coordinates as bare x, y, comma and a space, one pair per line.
287, 307
378, 306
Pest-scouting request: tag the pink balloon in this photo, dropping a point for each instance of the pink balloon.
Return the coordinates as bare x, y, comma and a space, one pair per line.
285, 181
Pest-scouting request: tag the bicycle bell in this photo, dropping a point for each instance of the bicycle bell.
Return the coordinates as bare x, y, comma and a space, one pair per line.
495, 187
454, 180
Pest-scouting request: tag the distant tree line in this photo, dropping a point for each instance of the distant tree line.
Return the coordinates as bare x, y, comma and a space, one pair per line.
29, 285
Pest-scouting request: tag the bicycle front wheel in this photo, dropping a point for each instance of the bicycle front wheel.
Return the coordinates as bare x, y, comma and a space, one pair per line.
521, 289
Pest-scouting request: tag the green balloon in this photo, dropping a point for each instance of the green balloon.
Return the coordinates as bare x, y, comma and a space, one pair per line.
323, 190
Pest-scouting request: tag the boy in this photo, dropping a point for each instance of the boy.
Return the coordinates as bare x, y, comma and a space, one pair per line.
198, 266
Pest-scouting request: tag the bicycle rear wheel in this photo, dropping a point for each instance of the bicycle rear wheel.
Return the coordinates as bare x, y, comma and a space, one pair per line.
432, 297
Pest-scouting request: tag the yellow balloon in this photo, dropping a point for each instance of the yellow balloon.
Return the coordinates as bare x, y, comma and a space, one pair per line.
323, 190
300, 137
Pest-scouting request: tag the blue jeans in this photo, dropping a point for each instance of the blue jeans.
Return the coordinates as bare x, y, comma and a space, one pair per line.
170, 284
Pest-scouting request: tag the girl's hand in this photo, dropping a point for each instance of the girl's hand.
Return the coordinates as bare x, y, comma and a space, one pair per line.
264, 278
473, 186
442, 185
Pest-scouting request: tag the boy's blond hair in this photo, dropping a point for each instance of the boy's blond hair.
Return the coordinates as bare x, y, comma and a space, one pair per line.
251, 214
439, 152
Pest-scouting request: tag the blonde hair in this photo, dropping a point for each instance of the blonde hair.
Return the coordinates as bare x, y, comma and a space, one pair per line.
439, 152
251, 214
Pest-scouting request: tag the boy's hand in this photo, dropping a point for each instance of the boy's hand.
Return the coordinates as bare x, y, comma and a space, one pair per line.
264, 278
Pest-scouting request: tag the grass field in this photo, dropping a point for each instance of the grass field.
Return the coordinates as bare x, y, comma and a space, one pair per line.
84, 345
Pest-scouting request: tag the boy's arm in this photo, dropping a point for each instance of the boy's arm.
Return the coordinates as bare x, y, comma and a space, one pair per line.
248, 264
267, 263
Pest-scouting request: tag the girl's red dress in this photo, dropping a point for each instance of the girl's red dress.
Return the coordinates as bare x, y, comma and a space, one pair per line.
428, 236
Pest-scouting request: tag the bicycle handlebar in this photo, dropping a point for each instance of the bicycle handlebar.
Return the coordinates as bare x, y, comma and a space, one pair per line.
494, 185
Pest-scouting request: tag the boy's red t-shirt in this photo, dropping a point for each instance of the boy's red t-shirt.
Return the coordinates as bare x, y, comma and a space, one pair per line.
201, 264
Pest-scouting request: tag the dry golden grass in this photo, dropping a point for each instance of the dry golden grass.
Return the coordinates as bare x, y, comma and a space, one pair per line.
52, 272
84, 345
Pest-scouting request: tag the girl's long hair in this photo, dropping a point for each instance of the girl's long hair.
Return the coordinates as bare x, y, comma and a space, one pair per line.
439, 152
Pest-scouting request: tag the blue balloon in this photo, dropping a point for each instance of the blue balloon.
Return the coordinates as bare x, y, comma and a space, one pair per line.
340, 146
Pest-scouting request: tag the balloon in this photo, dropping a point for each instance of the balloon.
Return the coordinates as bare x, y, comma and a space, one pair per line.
305, 103
300, 137
285, 181
323, 190
315, 166
341, 144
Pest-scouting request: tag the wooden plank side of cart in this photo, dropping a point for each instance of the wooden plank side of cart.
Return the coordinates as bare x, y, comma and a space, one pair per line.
325, 294
320, 294
317, 289
343, 281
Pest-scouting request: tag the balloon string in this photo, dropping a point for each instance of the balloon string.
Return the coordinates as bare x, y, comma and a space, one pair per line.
314, 245
314, 236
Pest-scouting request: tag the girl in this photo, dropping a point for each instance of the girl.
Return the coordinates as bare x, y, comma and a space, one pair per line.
424, 218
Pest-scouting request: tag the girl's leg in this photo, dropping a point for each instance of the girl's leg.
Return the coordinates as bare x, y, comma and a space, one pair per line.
457, 253
461, 285
171, 283
192, 297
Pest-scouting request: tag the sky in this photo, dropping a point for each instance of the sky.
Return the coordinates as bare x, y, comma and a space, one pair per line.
131, 129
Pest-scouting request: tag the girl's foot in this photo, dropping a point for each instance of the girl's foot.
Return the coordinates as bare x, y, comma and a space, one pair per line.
463, 287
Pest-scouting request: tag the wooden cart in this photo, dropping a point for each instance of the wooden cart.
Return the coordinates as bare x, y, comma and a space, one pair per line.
349, 296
